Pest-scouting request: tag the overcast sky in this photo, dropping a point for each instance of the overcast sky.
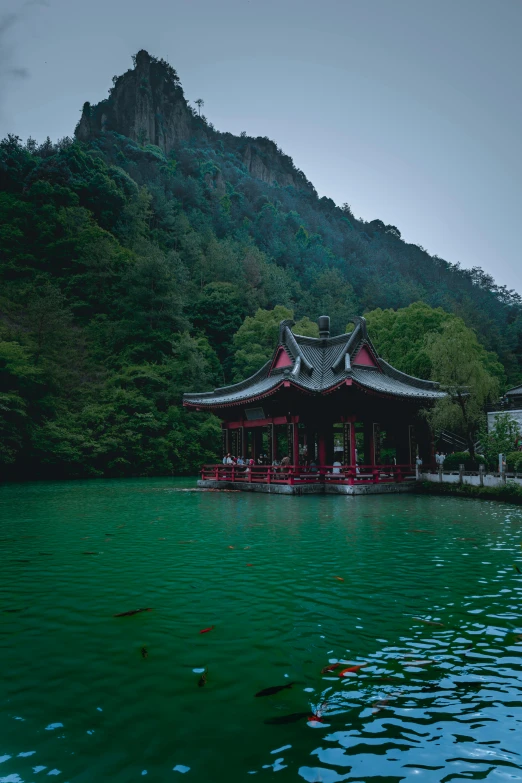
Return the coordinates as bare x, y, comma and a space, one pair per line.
409, 110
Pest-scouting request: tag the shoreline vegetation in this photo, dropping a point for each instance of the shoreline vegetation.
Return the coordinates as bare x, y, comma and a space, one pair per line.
508, 493
134, 269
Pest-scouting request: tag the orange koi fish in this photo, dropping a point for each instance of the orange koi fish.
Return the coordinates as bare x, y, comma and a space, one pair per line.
206, 630
340, 578
352, 669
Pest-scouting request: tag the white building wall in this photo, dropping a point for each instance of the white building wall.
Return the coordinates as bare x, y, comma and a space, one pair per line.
516, 415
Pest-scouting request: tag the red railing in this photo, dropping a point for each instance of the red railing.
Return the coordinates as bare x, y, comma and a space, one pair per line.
301, 474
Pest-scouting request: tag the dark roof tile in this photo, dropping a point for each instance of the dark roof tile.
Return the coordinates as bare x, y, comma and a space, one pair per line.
319, 366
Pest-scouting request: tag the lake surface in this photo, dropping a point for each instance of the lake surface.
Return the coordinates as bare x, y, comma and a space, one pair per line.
80, 702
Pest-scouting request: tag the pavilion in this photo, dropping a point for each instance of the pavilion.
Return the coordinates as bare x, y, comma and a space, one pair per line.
344, 419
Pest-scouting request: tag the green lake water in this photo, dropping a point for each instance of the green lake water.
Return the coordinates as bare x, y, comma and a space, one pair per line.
79, 702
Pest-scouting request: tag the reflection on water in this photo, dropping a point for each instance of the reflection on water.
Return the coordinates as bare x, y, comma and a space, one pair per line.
420, 590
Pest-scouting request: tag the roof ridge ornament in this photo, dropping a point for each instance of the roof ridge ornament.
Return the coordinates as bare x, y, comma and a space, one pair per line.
336, 366
297, 367
360, 321
288, 322
287, 338
323, 322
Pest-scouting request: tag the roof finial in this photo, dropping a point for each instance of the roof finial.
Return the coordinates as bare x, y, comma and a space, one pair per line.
324, 325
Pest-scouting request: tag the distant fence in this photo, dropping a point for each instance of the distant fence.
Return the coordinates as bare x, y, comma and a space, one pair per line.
477, 478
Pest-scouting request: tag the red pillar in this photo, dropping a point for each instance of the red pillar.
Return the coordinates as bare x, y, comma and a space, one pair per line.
372, 444
353, 443
296, 444
322, 447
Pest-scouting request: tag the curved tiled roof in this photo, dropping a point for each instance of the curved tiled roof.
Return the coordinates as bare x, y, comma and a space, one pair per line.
320, 365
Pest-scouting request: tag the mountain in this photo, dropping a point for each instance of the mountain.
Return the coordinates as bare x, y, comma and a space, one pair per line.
131, 254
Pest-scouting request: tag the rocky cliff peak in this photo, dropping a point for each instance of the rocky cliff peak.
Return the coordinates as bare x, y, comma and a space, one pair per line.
147, 104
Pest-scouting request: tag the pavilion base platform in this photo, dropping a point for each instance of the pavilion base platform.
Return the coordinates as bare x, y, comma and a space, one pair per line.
309, 489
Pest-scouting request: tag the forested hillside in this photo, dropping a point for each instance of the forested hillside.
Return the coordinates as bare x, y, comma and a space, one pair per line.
130, 256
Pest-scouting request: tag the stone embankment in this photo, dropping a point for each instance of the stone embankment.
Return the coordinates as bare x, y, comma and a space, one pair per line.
474, 484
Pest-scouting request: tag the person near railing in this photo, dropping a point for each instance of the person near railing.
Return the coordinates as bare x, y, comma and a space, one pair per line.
285, 462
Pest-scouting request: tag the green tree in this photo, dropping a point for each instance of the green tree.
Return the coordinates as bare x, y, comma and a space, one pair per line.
457, 361
219, 312
19, 389
256, 339
400, 335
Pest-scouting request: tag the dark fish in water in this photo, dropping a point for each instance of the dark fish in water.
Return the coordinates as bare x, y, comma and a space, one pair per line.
203, 679
429, 622
274, 689
377, 706
464, 684
517, 569
431, 532
331, 668
12, 610
47, 554
416, 663
292, 718
144, 652
89, 553
133, 611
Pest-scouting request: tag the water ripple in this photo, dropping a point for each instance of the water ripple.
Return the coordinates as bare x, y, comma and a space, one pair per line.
287, 586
